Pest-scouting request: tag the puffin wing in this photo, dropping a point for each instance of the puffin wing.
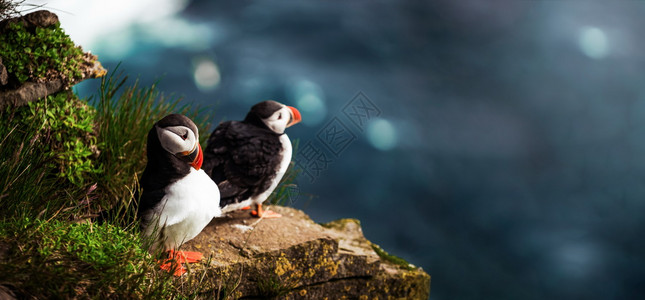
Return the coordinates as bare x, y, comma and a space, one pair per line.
217, 152
241, 157
255, 154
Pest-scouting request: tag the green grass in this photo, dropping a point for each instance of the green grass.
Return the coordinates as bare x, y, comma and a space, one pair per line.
48, 246
65, 134
31, 184
55, 259
63, 156
44, 253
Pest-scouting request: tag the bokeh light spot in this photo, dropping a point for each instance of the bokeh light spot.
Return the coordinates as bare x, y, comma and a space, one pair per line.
381, 134
310, 100
577, 260
593, 42
206, 74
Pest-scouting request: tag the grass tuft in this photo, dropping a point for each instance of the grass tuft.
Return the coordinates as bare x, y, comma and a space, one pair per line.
48, 247
35, 166
273, 287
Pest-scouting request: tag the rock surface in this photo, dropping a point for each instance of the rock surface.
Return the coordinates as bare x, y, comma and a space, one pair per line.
41, 18
32, 91
294, 258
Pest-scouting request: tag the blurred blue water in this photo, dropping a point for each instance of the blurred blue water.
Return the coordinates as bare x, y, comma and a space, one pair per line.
514, 131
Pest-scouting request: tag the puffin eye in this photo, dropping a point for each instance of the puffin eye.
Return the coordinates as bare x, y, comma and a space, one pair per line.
185, 136
280, 116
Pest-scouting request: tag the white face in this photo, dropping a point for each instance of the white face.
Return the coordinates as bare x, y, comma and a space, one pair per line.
279, 120
177, 139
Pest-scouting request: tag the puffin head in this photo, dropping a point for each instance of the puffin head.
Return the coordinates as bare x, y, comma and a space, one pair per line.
179, 136
274, 115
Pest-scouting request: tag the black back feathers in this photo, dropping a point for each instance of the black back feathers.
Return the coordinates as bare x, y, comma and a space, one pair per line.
243, 157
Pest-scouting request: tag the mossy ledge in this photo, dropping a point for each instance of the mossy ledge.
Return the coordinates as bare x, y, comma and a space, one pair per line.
38, 59
295, 258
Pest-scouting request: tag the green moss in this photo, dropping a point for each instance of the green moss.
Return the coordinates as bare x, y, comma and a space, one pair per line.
64, 127
60, 260
392, 258
46, 156
40, 53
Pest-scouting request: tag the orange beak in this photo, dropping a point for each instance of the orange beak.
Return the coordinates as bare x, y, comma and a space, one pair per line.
199, 159
295, 116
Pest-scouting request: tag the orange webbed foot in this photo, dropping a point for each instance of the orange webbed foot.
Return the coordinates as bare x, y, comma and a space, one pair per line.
266, 214
173, 264
173, 267
185, 256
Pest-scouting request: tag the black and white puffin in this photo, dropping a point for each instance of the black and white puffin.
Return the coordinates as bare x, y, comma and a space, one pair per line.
178, 199
248, 158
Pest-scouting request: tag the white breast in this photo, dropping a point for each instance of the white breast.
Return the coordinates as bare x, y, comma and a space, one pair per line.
187, 207
286, 153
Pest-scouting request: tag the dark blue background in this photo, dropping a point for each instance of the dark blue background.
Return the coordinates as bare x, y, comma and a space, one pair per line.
519, 159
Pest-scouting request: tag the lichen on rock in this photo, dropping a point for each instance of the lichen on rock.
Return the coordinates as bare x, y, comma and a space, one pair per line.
294, 258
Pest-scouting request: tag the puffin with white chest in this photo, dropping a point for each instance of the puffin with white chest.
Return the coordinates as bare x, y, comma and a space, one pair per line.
248, 158
178, 199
